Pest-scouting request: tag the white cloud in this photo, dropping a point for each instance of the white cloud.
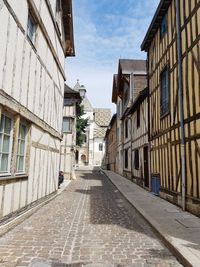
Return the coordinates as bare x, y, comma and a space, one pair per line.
101, 38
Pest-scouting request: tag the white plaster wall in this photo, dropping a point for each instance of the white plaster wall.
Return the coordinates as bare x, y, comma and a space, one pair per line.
22, 74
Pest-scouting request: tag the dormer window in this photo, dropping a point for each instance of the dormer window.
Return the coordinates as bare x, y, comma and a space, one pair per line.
163, 27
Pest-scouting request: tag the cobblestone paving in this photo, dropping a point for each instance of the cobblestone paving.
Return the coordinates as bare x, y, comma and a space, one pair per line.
89, 224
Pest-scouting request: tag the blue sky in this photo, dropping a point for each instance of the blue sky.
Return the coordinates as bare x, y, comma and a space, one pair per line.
105, 31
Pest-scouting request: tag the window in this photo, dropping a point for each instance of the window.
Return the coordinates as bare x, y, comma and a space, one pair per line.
100, 147
67, 125
126, 158
163, 27
126, 128
31, 28
5, 143
58, 15
138, 117
21, 147
164, 92
136, 159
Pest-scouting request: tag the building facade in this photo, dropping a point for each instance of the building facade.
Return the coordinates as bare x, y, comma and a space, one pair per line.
110, 162
92, 152
68, 144
127, 84
138, 113
36, 36
173, 46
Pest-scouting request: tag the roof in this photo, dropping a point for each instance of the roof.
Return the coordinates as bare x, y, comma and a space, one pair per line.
102, 116
114, 118
142, 95
155, 23
68, 28
71, 96
69, 90
132, 65
126, 67
114, 90
99, 132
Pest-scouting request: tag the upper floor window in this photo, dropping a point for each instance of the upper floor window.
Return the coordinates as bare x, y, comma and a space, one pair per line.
164, 92
21, 151
67, 125
5, 143
58, 15
138, 117
31, 28
126, 128
163, 27
100, 147
126, 93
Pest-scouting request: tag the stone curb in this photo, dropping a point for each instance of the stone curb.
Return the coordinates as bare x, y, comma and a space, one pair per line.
27, 213
182, 259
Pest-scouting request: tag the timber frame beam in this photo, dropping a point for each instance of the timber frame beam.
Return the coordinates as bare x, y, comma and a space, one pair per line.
7, 102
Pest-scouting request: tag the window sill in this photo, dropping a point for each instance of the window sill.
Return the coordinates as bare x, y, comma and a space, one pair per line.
12, 178
67, 132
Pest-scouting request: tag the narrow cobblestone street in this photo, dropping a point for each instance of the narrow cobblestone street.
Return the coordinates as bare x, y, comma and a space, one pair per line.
88, 224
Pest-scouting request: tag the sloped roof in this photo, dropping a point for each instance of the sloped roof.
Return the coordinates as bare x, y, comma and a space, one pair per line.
102, 116
114, 118
68, 28
131, 65
114, 89
155, 23
142, 95
99, 132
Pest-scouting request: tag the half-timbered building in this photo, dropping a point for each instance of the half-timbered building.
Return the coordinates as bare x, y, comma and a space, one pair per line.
36, 36
68, 144
132, 79
138, 113
173, 46
111, 145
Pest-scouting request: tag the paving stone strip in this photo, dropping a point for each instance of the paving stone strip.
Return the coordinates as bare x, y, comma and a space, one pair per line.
89, 224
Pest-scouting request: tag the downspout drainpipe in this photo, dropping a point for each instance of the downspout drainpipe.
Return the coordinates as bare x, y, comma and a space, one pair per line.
180, 86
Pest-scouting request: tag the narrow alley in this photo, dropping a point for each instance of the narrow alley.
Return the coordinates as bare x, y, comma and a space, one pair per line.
89, 224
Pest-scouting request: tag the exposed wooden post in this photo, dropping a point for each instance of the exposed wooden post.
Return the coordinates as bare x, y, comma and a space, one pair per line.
15, 143
180, 89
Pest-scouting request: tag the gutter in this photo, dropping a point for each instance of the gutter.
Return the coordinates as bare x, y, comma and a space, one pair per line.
180, 88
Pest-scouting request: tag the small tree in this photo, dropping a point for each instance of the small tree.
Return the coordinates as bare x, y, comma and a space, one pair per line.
81, 125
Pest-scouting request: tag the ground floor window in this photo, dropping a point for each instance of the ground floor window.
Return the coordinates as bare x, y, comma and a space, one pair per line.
13, 143
136, 159
126, 158
21, 149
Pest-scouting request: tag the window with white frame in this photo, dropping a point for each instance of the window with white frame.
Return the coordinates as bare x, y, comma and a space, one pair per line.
5, 143
21, 148
67, 127
31, 28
